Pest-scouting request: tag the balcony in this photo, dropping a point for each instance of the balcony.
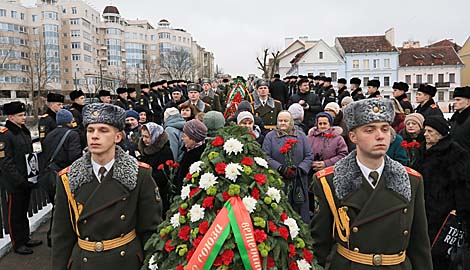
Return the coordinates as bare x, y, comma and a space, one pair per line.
442, 84
416, 85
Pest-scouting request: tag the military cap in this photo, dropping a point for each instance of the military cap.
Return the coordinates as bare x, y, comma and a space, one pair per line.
53, 97
427, 89
342, 80
316, 78
403, 86
367, 111
153, 84
144, 85
261, 82
163, 82
104, 93
105, 114
301, 81
76, 94
374, 83
225, 80
121, 90
355, 80
131, 90
205, 80
396, 85
310, 77
194, 87
293, 77
13, 107
322, 78
327, 79
462, 92
277, 76
171, 82
175, 89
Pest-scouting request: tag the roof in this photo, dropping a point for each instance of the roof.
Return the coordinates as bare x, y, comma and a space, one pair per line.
111, 9
365, 44
429, 56
446, 43
298, 56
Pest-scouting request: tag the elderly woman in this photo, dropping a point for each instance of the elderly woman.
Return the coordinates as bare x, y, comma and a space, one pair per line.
297, 112
326, 142
445, 168
413, 137
246, 119
293, 162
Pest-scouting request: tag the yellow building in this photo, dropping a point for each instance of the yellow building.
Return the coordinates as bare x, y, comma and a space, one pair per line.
464, 54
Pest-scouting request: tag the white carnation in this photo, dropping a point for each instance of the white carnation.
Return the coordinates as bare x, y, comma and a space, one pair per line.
293, 227
250, 203
303, 264
274, 194
175, 220
153, 263
195, 167
233, 146
185, 192
261, 162
207, 180
196, 212
232, 171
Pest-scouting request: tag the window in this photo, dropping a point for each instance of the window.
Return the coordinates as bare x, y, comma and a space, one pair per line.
440, 96
430, 79
34, 18
75, 45
3, 12
440, 78
22, 16
408, 79
322, 73
334, 76
386, 63
365, 80
355, 64
75, 33
386, 81
153, 47
87, 47
419, 78
75, 21
376, 63
14, 14
50, 15
365, 64
87, 58
377, 78
74, 10
320, 55
75, 57
452, 77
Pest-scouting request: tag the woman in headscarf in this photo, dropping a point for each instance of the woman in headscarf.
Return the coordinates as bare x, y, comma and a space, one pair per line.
289, 153
155, 150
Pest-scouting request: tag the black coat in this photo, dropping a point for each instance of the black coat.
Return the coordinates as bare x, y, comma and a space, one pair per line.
357, 94
376, 94
189, 158
123, 103
329, 95
279, 91
76, 111
405, 103
46, 124
428, 109
460, 128
342, 93
314, 102
69, 152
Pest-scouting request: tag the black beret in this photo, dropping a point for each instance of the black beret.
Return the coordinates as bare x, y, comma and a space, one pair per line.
153, 84
76, 94
327, 79
462, 92
438, 123
131, 90
374, 83
355, 80
144, 85
427, 89
13, 107
342, 80
121, 90
53, 97
194, 87
104, 93
260, 83
301, 81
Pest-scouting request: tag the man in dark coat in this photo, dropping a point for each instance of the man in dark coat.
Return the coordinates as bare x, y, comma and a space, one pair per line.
265, 106
47, 123
460, 121
78, 98
329, 94
373, 89
279, 91
104, 96
176, 98
194, 93
342, 90
309, 101
356, 90
370, 212
121, 100
146, 99
209, 96
15, 148
131, 98
399, 93
424, 97
107, 204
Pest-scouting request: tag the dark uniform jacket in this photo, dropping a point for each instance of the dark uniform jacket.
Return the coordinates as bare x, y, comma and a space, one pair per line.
159, 98
15, 144
125, 200
279, 91
460, 128
76, 111
46, 123
213, 99
386, 220
70, 150
132, 103
313, 100
123, 103
405, 104
329, 95
268, 112
376, 94
357, 94
146, 100
428, 109
342, 93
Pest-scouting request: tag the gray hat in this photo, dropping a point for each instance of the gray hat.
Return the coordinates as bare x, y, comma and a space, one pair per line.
297, 111
194, 87
205, 80
367, 111
104, 113
195, 130
214, 121
245, 115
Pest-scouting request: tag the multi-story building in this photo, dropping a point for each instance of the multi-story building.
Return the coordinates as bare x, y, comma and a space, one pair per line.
291, 50
464, 54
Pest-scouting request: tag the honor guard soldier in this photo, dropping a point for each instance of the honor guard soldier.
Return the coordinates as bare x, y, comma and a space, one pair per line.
47, 123
424, 97
373, 89
342, 90
194, 91
105, 96
329, 94
78, 98
370, 210
265, 106
131, 98
399, 92
146, 99
210, 96
15, 149
121, 100
460, 121
356, 90
107, 204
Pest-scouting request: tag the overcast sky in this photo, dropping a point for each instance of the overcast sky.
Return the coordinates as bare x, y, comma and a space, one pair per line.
237, 31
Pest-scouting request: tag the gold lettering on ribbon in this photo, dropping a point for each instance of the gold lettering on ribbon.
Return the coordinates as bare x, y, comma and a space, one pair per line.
202, 257
251, 244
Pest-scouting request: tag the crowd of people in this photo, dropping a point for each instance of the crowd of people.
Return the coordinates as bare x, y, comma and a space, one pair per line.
303, 125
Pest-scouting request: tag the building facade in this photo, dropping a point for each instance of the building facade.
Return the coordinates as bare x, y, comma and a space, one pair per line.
464, 54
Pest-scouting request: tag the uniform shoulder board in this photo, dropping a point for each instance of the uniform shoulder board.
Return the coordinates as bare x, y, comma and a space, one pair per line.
433, 106
405, 99
144, 165
44, 115
3, 130
325, 172
412, 172
64, 171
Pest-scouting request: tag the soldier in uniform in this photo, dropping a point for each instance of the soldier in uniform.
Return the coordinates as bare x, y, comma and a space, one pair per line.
460, 121
399, 92
15, 147
424, 97
105, 96
210, 96
329, 94
176, 98
356, 90
47, 123
220, 92
265, 106
107, 204
121, 100
131, 98
194, 100
78, 98
373, 89
342, 90
370, 210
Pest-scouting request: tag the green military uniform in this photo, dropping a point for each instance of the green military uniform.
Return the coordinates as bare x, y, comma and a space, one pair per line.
127, 199
389, 219
200, 106
268, 112
213, 99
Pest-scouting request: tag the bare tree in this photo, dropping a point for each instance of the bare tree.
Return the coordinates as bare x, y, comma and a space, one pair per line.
178, 64
270, 63
150, 70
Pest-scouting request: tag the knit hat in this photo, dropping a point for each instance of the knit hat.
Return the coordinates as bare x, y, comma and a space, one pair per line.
63, 117
244, 115
214, 121
132, 113
367, 111
195, 130
296, 111
346, 101
169, 112
104, 113
324, 114
332, 106
438, 123
245, 106
417, 117
155, 131
14, 107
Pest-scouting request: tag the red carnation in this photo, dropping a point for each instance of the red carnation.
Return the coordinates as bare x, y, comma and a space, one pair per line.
163, 236
247, 161
405, 145
190, 254
328, 135
272, 226
183, 234
227, 256
197, 241
284, 149
175, 165
271, 263
225, 196
220, 167
293, 266
308, 256
283, 216
169, 162
291, 251
218, 141
218, 261
260, 178
203, 227
168, 247
255, 193
291, 141
260, 236
161, 167
179, 267
208, 202
182, 211
283, 232
193, 191
188, 176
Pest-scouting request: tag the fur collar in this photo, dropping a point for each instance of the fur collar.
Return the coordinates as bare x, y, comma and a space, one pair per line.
348, 177
125, 170
15, 128
156, 147
461, 117
426, 105
269, 102
211, 94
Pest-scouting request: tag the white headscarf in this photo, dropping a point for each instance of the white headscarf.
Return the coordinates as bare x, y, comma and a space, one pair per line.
155, 131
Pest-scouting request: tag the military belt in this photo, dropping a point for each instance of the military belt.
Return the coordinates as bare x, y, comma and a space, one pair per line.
371, 259
107, 244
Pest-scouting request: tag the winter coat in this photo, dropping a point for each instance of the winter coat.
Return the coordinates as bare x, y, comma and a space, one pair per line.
342, 93
46, 123
428, 109
460, 128
405, 104
396, 151
357, 94
174, 128
315, 106
413, 154
302, 159
76, 111
189, 158
69, 152
328, 150
279, 91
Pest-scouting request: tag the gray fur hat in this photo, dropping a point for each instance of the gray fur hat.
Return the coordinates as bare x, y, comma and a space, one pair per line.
367, 111
104, 113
